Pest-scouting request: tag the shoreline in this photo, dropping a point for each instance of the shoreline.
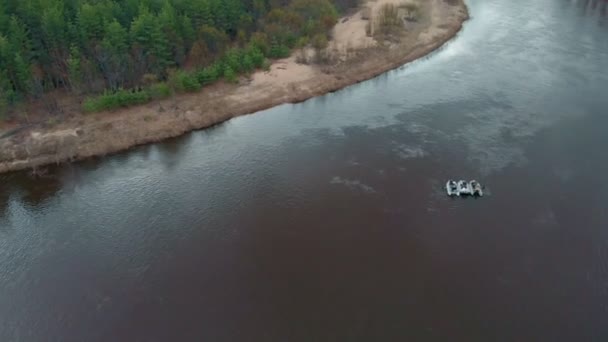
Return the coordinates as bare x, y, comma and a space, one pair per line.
101, 134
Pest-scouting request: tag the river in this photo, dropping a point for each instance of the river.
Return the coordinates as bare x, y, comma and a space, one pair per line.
327, 220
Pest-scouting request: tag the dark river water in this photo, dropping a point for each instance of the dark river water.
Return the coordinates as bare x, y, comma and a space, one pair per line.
327, 220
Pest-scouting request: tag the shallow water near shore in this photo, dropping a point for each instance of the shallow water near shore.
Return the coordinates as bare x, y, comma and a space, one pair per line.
327, 220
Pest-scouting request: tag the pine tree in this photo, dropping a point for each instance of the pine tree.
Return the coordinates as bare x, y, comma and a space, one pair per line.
90, 23
187, 30
259, 9
129, 10
55, 38
75, 69
160, 48
202, 13
114, 54
21, 74
54, 27
140, 28
19, 40
147, 32
220, 14
229, 12
4, 17
169, 23
214, 39
4, 52
28, 13
6, 87
3, 104
115, 38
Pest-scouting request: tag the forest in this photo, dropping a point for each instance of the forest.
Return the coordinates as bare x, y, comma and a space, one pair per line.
116, 53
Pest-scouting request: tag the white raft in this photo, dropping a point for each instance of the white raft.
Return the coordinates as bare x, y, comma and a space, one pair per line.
451, 188
463, 188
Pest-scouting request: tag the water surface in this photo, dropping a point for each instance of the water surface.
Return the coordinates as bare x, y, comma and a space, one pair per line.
327, 220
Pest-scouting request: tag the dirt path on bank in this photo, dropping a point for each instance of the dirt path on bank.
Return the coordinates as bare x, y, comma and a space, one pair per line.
356, 57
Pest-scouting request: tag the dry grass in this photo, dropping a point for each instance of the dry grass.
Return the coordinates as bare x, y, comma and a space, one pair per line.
391, 18
412, 11
388, 19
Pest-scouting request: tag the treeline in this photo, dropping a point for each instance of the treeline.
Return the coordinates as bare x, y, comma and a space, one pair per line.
151, 47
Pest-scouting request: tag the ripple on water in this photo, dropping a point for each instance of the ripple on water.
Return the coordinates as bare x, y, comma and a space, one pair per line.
353, 184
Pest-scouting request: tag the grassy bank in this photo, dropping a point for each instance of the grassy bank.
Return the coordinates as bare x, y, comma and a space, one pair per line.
233, 64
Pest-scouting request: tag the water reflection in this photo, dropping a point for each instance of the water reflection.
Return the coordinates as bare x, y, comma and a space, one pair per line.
4, 198
170, 152
33, 189
593, 7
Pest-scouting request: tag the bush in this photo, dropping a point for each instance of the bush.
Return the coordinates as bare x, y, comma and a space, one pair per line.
302, 42
206, 76
233, 60
189, 82
388, 19
260, 41
291, 40
257, 56
184, 82
248, 65
230, 75
159, 91
319, 41
114, 100
217, 70
279, 51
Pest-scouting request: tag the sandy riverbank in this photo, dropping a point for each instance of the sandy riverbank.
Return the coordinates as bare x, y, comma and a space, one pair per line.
355, 58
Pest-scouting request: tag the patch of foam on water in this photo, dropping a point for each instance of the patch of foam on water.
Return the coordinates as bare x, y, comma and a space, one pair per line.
353, 184
495, 138
495, 158
416, 128
410, 152
404, 151
353, 162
